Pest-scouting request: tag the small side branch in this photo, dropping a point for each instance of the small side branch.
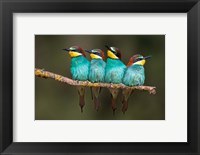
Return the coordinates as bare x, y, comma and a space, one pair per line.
46, 74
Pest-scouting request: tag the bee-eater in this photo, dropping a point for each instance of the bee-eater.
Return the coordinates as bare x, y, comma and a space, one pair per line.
79, 69
96, 73
133, 76
114, 71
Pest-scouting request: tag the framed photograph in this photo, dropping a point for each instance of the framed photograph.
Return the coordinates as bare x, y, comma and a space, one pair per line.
101, 107
99, 77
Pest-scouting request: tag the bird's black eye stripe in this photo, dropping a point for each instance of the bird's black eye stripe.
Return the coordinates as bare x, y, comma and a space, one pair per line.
114, 51
97, 53
76, 51
138, 59
117, 54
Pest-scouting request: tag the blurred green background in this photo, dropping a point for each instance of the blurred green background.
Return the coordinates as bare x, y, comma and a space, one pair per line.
58, 101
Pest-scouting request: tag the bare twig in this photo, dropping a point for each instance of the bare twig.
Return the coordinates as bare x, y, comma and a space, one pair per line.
46, 74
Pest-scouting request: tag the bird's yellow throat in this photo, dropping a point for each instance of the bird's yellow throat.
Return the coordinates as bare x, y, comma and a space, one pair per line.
141, 62
74, 54
94, 56
111, 55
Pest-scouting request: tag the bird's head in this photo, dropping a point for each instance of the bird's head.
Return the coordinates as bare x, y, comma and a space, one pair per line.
96, 54
137, 59
113, 52
75, 51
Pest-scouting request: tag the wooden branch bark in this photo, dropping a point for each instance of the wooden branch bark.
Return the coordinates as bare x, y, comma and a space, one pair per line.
46, 74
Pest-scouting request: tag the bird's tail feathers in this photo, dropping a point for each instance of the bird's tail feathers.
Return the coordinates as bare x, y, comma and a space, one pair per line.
126, 94
114, 105
114, 94
81, 92
124, 105
95, 97
81, 102
97, 103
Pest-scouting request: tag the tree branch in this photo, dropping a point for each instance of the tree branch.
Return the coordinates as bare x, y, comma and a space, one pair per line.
46, 74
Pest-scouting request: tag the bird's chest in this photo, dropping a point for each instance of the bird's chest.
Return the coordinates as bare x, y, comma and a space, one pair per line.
97, 71
114, 72
79, 70
134, 76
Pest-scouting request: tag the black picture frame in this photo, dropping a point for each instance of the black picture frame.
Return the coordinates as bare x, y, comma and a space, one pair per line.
8, 7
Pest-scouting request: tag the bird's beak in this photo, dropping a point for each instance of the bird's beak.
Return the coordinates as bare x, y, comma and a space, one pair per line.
89, 51
66, 49
147, 57
108, 47
110, 52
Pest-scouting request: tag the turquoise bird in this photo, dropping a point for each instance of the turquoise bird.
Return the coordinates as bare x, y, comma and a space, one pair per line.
79, 69
133, 76
115, 69
96, 73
